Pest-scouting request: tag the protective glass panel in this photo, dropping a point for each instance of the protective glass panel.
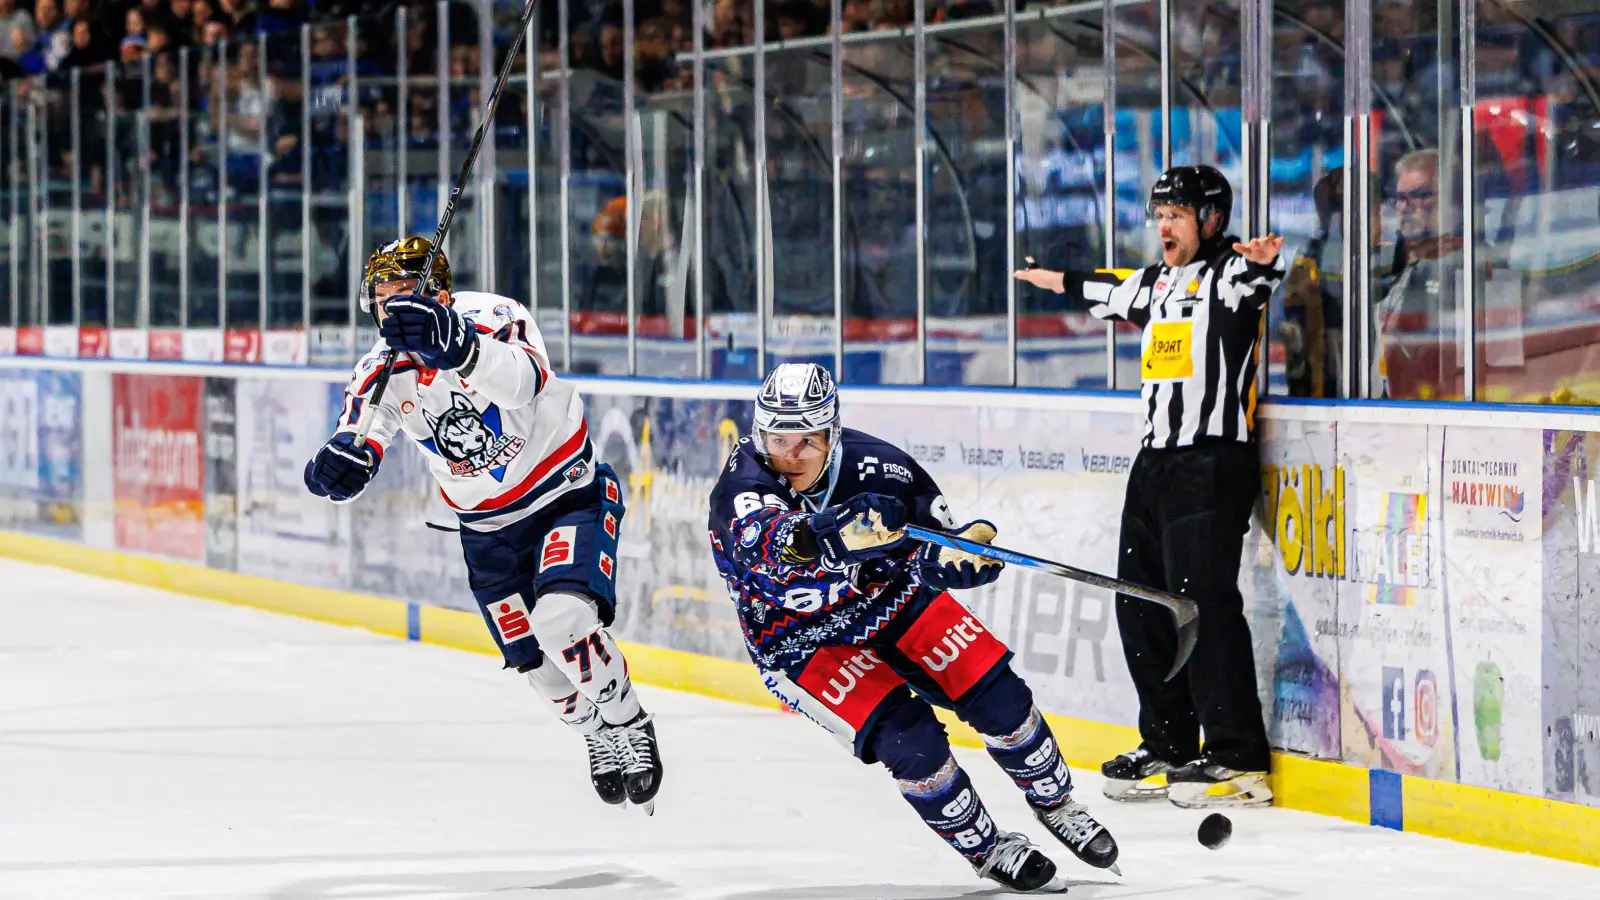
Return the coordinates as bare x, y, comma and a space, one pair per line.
329, 75
166, 170
965, 169
1537, 165
880, 198
597, 205
242, 102
1415, 326
1306, 326
203, 240
663, 283
799, 190
285, 156
55, 129
1060, 210
1138, 158
730, 220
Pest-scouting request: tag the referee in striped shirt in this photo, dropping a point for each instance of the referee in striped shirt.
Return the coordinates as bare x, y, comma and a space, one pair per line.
1191, 490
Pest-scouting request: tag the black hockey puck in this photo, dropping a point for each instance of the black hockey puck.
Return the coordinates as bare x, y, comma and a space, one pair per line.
1215, 831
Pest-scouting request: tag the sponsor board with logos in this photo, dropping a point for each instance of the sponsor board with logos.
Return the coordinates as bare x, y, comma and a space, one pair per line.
1412, 607
1392, 617
1570, 661
41, 452
279, 425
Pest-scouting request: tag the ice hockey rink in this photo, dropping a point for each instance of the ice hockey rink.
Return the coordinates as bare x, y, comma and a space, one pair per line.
157, 745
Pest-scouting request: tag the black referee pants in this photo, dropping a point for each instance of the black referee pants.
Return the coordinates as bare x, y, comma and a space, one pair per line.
1183, 526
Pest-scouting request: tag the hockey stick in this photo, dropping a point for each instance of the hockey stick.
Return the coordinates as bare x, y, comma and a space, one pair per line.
1184, 610
449, 214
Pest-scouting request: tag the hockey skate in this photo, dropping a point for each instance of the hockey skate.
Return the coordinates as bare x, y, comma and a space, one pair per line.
1204, 784
1088, 840
635, 746
1128, 776
1020, 866
605, 769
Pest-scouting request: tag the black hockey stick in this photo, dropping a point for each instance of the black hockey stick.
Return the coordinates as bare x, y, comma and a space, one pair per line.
1184, 610
456, 191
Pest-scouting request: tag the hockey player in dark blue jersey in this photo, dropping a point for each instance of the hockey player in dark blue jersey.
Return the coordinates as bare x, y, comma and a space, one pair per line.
853, 626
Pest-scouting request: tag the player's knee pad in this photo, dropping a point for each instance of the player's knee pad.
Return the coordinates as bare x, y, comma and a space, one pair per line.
560, 619
910, 741
568, 628
1001, 707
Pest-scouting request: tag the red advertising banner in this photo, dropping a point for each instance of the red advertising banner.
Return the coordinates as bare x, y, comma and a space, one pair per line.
94, 342
241, 345
166, 343
30, 340
156, 464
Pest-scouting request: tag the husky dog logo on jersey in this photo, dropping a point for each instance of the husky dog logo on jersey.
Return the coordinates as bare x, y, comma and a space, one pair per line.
471, 440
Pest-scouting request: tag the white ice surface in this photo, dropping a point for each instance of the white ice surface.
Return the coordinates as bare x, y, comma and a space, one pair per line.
155, 745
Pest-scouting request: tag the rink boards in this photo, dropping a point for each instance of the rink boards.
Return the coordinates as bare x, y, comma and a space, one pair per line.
1423, 582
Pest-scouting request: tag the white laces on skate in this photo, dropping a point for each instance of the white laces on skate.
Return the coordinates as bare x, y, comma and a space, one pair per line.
634, 746
603, 759
1010, 852
1072, 821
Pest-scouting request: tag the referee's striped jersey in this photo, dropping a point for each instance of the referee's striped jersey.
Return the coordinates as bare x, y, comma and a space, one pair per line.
1201, 344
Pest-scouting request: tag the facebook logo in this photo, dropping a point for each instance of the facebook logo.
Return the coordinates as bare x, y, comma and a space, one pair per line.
1394, 704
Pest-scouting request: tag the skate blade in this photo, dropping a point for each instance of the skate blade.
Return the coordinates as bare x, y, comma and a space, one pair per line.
649, 807
1244, 792
1135, 791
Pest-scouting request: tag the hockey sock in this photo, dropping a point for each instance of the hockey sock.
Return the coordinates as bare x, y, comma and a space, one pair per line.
1030, 756
570, 706
950, 805
570, 634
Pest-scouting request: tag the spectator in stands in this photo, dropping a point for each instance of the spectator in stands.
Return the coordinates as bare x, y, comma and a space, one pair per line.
286, 15
55, 33
11, 19
1415, 342
133, 38
200, 15
611, 61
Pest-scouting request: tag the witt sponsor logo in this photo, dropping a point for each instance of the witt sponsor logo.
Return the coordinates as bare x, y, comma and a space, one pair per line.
511, 619
850, 673
1105, 463
983, 456
956, 639
1043, 460
558, 547
1305, 505
156, 457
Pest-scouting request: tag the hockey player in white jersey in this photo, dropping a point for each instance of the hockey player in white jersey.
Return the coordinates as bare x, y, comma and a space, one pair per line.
508, 443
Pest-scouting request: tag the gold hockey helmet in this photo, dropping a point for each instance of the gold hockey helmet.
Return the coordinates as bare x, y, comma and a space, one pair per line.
398, 260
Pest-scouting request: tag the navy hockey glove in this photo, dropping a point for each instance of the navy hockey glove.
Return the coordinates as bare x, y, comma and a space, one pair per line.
867, 526
944, 569
340, 470
437, 334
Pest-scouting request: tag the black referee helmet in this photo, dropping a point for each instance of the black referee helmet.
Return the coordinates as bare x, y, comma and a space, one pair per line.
1201, 188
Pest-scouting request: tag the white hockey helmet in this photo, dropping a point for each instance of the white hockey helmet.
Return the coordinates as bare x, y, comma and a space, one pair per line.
796, 399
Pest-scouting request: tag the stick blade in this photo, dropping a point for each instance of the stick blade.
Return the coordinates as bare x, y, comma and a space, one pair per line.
1188, 622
